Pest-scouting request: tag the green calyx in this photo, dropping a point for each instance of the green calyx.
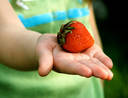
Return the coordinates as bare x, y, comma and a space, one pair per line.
64, 30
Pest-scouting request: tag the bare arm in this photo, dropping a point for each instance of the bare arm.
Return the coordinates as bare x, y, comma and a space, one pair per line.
17, 45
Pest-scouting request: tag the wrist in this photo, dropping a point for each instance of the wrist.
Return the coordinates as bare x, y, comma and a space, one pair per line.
31, 44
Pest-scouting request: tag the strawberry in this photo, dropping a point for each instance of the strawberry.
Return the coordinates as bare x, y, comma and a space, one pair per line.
74, 37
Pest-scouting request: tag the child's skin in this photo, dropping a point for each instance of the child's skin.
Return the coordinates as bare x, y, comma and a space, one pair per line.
23, 49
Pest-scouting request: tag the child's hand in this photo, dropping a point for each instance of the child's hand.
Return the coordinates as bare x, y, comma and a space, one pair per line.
92, 62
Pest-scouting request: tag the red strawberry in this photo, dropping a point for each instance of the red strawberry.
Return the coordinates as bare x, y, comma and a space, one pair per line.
74, 37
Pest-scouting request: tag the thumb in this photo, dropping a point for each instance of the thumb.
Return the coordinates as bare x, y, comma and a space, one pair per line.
45, 62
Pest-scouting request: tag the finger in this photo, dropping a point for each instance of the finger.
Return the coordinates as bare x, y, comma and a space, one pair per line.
84, 71
75, 68
97, 71
104, 59
45, 62
110, 74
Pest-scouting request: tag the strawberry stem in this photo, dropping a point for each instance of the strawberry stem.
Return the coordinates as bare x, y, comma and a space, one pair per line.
64, 30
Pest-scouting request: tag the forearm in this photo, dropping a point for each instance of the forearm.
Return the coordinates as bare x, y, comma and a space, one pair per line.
17, 48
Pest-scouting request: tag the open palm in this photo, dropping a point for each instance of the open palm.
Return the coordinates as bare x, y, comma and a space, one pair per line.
91, 62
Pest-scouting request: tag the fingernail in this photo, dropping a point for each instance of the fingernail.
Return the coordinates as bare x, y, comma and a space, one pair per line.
110, 76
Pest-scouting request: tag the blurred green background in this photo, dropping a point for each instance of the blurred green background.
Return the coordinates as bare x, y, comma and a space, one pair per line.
112, 24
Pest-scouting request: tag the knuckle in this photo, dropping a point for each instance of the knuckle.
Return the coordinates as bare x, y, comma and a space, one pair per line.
85, 71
